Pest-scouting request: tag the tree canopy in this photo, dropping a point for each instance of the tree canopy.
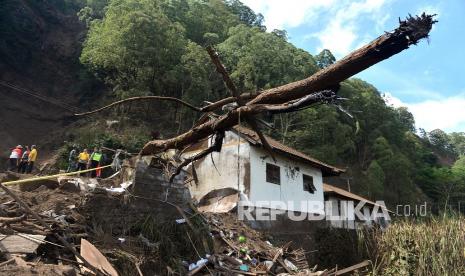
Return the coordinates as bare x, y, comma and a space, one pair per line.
143, 47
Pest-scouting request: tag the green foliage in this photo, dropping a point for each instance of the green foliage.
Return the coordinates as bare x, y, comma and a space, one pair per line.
375, 180
260, 60
144, 47
246, 15
325, 58
137, 48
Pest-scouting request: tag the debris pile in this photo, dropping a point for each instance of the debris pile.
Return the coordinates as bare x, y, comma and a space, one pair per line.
119, 233
240, 249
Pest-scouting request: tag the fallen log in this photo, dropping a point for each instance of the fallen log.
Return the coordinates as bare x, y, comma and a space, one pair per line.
409, 32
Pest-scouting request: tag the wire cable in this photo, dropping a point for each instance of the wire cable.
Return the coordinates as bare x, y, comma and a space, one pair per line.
43, 98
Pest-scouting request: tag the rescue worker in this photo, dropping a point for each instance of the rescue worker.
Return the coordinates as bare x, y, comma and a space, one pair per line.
15, 155
23, 162
94, 162
72, 159
83, 159
31, 159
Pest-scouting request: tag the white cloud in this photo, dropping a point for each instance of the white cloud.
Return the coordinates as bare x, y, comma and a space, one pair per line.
281, 14
336, 37
341, 33
342, 17
447, 113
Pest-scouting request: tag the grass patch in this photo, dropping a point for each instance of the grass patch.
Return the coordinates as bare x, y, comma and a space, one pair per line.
435, 246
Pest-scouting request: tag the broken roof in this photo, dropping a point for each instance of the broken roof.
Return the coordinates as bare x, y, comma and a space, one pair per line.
346, 194
252, 137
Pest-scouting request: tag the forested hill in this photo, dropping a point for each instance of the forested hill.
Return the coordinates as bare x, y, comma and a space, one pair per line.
146, 47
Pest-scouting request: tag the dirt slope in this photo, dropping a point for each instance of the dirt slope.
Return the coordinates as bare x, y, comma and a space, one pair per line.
39, 51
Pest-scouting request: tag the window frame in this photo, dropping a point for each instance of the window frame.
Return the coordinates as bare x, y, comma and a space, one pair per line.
269, 177
308, 187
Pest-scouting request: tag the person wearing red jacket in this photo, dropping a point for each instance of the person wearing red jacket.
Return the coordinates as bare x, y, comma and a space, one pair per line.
15, 156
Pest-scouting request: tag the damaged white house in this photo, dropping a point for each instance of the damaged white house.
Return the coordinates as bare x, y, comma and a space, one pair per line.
245, 172
291, 180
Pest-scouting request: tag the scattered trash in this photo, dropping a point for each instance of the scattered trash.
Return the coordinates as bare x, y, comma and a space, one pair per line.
198, 264
290, 265
180, 221
242, 239
244, 267
126, 184
115, 190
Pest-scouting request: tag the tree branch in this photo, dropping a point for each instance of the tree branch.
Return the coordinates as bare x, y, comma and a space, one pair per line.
229, 83
222, 70
216, 105
325, 96
143, 98
215, 147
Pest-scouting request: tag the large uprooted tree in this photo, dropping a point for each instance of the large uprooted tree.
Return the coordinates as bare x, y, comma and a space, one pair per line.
319, 88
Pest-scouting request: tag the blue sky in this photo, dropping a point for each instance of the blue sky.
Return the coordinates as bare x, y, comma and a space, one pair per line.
428, 78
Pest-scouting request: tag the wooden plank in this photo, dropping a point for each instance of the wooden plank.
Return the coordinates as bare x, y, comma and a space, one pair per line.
93, 256
352, 268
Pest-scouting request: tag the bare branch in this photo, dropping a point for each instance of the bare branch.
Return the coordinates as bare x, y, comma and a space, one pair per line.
222, 70
143, 98
253, 123
229, 83
215, 147
216, 105
325, 96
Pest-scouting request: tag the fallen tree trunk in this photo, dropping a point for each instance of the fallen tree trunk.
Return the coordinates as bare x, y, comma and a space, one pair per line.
409, 32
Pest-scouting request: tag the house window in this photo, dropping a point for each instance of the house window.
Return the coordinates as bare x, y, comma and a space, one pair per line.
273, 174
308, 183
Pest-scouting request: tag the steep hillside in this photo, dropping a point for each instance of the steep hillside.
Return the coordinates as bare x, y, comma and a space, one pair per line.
39, 51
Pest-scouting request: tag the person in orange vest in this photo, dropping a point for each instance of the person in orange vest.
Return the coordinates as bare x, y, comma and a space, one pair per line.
15, 155
31, 159
24, 159
94, 162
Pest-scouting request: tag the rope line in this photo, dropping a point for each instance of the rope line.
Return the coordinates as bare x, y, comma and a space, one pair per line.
33, 179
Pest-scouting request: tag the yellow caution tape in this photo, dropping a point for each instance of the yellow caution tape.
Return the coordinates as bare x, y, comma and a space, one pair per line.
33, 179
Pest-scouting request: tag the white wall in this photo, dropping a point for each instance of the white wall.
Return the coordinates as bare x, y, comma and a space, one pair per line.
346, 213
225, 175
291, 188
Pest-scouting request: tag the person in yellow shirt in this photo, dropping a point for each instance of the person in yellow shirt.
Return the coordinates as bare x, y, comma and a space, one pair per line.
31, 158
83, 159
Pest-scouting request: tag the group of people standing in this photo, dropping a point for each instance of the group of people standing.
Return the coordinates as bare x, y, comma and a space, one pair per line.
22, 159
85, 160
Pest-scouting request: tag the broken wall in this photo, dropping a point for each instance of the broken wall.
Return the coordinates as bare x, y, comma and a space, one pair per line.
229, 168
150, 195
